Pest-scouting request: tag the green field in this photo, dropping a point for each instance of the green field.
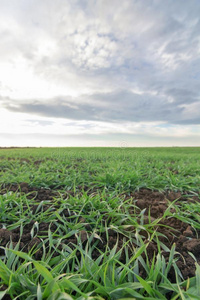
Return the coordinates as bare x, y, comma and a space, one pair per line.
100, 223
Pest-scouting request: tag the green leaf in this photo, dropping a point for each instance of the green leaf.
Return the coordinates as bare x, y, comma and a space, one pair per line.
71, 285
145, 285
59, 296
21, 254
39, 292
198, 279
43, 271
3, 293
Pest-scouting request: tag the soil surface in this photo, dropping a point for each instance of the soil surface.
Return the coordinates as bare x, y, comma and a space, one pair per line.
173, 230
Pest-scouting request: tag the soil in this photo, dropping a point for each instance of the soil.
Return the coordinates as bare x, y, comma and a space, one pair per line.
182, 234
173, 230
36, 193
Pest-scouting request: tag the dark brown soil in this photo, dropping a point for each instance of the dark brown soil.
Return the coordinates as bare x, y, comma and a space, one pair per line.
182, 234
36, 193
44, 193
155, 203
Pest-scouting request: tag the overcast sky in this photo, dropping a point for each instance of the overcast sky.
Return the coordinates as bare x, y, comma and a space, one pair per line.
99, 73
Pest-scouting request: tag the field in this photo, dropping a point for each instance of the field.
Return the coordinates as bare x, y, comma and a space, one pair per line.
100, 223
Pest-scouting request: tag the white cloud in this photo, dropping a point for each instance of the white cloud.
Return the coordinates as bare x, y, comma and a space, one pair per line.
80, 55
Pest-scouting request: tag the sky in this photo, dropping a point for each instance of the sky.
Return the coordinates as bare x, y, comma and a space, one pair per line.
99, 73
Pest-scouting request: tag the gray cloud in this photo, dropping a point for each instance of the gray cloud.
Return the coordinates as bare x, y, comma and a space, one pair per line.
116, 107
183, 96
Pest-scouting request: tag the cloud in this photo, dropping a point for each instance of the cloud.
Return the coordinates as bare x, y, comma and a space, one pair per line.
112, 61
118, 106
